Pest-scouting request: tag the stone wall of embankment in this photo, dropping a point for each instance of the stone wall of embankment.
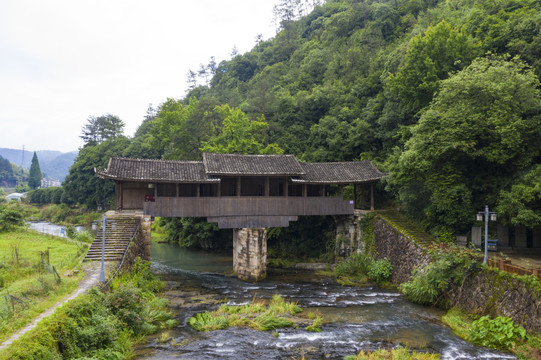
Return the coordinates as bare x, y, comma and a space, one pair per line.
489, 292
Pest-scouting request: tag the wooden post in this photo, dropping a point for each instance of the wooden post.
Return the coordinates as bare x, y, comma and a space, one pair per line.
286, 188
198, 190
372, 196
219, 189
356, 205
238, 185
304, 190
267, 186
177, 189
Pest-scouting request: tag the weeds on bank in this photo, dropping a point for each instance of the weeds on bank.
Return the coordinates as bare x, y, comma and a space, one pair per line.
99, 325
498, 333
35, 272
360, 269
393, 354
256, 315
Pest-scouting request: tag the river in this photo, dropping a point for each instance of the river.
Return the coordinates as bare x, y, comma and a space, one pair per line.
45, 227
355, 318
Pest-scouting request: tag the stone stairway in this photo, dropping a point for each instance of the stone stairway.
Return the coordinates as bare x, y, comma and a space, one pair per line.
116, 240
407, 227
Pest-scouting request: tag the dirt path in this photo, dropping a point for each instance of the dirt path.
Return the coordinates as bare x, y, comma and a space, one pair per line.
91, 278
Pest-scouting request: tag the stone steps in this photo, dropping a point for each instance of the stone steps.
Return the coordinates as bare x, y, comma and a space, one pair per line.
116, 240
407, 226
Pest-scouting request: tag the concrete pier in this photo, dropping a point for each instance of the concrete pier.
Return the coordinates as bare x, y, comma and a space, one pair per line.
250, 253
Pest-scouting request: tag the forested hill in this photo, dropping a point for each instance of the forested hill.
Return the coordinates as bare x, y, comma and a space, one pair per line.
442, 95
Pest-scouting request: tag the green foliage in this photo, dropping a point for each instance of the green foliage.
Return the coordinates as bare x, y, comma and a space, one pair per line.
449, 266
81, 185
11, 217
498, 333
380, 270
354, 265
432, 57
102, 128
397, 354
195, 233
34, 177
278, 314
521, 204
239, 134
310, 237
98, 325
465, 148
50, 195
7, 177
207, 322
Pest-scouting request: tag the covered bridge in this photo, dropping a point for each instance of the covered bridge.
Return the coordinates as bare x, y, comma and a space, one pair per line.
247, 192
237, 191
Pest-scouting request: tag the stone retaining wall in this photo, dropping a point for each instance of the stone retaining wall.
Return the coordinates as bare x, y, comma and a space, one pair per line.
489, 292
403, 253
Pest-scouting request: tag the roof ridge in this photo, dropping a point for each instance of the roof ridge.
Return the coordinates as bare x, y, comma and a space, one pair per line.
157, 160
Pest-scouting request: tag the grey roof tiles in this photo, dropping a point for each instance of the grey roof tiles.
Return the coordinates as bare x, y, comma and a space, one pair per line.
215, 166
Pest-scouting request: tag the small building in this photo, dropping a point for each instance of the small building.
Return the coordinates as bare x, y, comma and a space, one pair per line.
238, 191
49, 182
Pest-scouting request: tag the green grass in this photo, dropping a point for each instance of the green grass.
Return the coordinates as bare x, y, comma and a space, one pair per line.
34, 287
257, 315
395, 354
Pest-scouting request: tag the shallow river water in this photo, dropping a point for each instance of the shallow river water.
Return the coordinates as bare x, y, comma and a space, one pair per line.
355, 318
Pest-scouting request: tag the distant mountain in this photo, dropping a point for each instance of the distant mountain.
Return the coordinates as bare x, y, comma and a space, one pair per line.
54, 164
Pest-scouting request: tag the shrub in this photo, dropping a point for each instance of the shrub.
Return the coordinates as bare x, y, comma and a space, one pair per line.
10, 218
380, 270
498, 333
354, 265
85, 237
449, 266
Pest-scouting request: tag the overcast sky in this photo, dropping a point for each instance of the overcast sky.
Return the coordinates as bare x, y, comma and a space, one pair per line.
62, 61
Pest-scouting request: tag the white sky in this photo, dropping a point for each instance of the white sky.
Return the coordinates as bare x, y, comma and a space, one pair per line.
62, 61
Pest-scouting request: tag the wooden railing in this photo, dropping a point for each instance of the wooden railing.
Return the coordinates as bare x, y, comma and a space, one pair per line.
246, 206
505, 265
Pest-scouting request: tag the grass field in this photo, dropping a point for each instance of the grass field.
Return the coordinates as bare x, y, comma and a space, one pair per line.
35, 272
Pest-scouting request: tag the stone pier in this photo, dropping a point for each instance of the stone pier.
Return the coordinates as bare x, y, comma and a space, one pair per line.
250, 253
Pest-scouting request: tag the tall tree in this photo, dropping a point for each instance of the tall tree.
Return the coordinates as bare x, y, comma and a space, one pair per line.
102, 128
82, 186
35, 176
240, 135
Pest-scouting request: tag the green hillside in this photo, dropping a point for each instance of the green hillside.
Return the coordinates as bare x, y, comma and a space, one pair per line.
444, 96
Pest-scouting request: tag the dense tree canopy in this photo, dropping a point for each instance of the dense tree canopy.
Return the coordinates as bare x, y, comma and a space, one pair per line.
478, 133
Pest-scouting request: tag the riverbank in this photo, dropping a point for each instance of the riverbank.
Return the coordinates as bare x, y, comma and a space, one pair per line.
99, 325
446, 277
35, 272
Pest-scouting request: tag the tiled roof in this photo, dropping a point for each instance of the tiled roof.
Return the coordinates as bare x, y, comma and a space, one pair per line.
339, 172
215, 165
234, 164
155, 170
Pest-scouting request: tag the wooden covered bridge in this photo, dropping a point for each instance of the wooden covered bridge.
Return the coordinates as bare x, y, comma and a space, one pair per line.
247, 193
